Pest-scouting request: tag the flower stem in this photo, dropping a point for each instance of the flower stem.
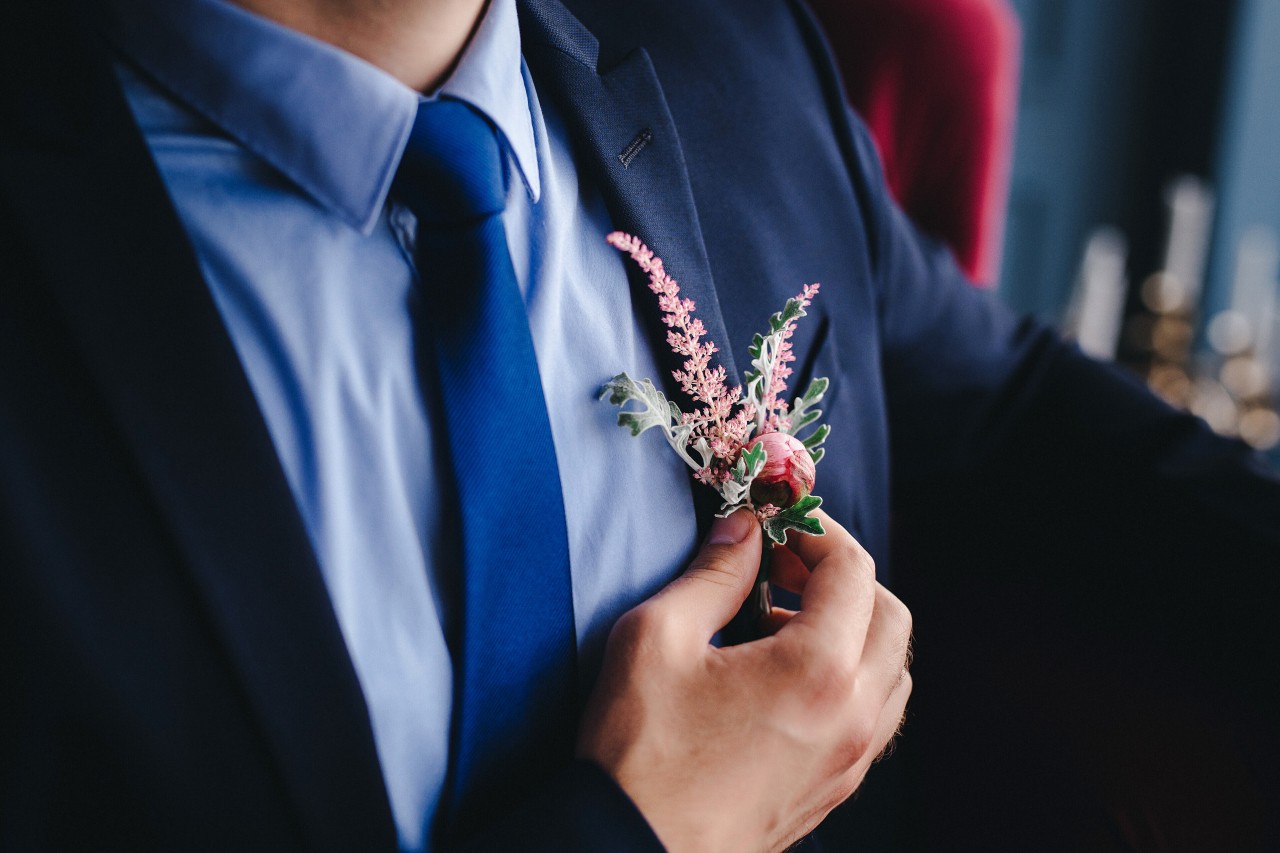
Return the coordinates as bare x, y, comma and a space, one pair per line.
761, 600
745, 626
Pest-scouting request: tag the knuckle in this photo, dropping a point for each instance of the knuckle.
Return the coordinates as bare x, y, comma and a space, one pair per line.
899, 623
895, 606
847, 784
866, 562
854, 554
858, 741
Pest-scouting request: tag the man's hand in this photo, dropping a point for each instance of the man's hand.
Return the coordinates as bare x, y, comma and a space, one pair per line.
749, 747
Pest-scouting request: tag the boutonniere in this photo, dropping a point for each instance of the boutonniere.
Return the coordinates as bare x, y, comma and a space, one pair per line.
744, 442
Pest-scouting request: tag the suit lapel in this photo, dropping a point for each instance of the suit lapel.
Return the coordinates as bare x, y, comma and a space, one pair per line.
628, 142
136, 307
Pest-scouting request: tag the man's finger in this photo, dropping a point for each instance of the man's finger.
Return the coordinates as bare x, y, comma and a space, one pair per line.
886, 729
812, 549
839, 595
888, 644
889, 724
711, 590
771, 623
787, 570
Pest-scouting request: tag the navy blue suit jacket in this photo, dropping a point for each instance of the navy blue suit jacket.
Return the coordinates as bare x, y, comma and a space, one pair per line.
173, 674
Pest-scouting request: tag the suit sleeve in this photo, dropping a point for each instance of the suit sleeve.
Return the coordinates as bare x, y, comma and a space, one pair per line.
1015, 456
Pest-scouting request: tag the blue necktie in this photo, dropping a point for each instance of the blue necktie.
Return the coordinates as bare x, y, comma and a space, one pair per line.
514, 715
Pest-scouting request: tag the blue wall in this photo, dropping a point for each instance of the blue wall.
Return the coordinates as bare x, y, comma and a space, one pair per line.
1248, 169
1073, 142
1117, 97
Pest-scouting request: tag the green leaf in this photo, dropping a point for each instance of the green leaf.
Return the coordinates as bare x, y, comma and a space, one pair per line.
814, 392
778, 526
799, 423
810, 525
816, 455
753, 460
801, 413
795, 518
819, 435
736, 491
793, 310
654, 411
637, 423
619, 389
729, 508
802, 507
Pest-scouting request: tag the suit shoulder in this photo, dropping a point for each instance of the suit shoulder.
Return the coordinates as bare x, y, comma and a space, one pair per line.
743, 33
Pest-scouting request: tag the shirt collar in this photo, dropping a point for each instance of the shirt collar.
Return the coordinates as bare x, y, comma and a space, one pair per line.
489, 77
333, 124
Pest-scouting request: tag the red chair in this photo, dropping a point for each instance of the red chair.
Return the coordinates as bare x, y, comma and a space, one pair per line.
936, 81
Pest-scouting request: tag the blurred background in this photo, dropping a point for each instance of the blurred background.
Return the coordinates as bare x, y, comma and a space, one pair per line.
1144, 206
1112, 166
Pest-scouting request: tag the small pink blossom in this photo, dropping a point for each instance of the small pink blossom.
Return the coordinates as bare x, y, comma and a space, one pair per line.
766, 512
788, 474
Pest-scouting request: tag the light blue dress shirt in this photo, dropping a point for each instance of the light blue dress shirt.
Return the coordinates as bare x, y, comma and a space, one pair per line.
278, 151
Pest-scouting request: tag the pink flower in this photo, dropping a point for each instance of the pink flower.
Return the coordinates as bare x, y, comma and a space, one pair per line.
788, 472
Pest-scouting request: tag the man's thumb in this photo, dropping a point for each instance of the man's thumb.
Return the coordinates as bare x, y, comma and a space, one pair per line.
719, 579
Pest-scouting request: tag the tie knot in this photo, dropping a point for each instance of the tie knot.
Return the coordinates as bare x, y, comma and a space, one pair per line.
452, 170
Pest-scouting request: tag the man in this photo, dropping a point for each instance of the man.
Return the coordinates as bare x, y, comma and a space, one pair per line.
229, 606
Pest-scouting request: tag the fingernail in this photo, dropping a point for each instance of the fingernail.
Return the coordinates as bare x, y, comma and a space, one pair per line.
731, 530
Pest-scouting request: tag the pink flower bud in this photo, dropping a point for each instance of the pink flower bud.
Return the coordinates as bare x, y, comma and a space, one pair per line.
788, 472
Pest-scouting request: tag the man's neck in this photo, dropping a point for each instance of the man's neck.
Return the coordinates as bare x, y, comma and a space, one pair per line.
416, 41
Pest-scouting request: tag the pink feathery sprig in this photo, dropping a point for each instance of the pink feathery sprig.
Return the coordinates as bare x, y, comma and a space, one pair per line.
725, 431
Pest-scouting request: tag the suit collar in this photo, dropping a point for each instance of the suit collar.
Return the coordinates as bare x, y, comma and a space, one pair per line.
121, 269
